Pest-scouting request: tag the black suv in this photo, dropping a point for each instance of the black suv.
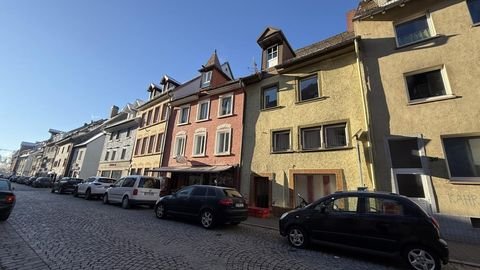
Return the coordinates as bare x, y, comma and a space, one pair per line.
383, 223
210, 204
66, 184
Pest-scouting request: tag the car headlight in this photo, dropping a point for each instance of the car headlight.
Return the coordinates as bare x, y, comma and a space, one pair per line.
284, 215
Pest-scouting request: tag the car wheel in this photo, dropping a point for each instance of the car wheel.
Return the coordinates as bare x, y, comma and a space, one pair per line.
52, 191
125, 203
75, 192
207, 219
4, 216
297, 237
160, 211
88, 194
105, 199
60, 190
235, 223
421, 258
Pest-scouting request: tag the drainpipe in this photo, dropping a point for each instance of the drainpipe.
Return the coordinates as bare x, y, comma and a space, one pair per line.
366, 113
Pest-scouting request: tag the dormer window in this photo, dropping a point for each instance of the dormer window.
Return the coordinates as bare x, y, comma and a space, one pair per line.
272, 56
206, 78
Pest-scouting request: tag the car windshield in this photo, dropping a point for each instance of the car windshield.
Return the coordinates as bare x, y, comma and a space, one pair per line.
232, 193
149, 183
4, 185
106, 180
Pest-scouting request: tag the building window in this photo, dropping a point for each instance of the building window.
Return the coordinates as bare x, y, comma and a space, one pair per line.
149, 117
180, 145
308, 88
281, 141
414, 30
203, 110
128, 132
151, 144
269, 97
311, 138
159, 147
114, 153
223, 142
335, 136
156, 114
144, 145
117, 174
137, 147
142, 124
183, 115
64, 162
107, 154
199, 144
225, 105
463, 157
111, 136
206, 78
272, 56
68, 149
474, 7
422, 86
80, 155
118, 135
124, 152
164, 112
105, 174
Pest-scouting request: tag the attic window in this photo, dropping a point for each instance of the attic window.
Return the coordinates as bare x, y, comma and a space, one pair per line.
206, 78
272, 56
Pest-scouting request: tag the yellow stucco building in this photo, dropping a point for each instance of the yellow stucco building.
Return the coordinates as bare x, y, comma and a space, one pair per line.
304, 112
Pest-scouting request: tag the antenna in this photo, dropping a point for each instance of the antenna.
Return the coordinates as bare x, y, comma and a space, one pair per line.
255, 68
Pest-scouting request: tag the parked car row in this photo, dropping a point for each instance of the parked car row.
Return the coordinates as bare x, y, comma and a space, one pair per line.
40, 182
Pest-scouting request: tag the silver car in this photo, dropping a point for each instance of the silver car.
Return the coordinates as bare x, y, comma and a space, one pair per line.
93, 187
133, 190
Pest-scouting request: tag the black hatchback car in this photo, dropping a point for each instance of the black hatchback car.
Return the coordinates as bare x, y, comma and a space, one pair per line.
7, 199
212, 205
382, 223
66, 184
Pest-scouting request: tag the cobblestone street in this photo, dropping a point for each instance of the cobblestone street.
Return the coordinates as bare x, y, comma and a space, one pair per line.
52, 231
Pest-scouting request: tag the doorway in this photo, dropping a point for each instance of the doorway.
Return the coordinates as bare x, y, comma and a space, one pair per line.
261, 191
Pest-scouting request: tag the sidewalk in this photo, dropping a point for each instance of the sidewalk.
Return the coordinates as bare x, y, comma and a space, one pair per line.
460, 252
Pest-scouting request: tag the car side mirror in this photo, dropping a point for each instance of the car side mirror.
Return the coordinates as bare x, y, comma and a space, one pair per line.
112, 185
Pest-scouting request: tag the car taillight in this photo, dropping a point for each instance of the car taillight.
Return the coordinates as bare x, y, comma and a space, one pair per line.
135, 191
226, 202
435, 223
10, 198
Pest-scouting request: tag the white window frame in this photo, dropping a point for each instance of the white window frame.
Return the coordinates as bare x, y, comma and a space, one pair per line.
431, 27
274, 60
199, 105
452, 178
223, 130
220, 99
179, 136
180, 114
324, 135
446, 84
199, 133
206, 78
274, 140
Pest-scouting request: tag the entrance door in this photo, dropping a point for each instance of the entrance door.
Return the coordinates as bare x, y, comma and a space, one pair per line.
262, 194
408, 171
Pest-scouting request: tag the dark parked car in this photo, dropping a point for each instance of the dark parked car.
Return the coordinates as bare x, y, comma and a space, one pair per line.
30, 180
382, 223
66, 184
42, 182
13, 178
7, 199
212, 205
22, 179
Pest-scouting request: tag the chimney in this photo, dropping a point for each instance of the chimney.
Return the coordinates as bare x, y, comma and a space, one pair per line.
350, 16
114, 111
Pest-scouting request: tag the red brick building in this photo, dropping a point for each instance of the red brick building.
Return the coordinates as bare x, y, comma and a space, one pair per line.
204, 134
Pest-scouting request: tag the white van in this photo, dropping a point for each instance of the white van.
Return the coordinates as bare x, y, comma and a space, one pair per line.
133, 190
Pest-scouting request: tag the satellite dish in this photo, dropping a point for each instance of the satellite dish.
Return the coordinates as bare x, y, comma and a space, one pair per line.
181, 159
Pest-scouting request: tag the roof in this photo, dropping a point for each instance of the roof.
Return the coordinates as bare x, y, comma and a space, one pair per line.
90, 140
371, 7
213, 61
187, 89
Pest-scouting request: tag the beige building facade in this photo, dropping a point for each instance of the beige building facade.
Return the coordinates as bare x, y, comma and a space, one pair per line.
421, 62
303, 115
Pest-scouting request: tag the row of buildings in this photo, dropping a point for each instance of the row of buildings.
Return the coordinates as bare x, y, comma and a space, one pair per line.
390, 104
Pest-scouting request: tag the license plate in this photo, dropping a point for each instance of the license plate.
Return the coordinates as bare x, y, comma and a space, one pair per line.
239, 205
148, 193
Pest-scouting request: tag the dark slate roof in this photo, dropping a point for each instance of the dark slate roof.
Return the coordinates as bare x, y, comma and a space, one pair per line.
187, 89
213, 62
321, 46
370, 7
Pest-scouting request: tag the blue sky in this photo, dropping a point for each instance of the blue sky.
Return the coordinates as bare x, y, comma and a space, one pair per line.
63, 63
